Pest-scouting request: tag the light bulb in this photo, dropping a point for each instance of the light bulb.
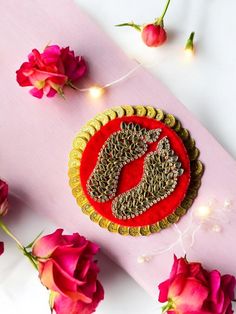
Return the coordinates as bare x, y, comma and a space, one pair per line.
203, 212
216, 228
96, 91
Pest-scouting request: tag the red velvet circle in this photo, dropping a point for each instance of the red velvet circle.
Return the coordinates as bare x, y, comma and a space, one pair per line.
131, 174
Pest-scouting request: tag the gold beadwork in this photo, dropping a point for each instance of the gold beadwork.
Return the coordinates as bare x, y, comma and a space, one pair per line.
111, 114
103, 118
155, 184
80, 143
140, 110
129, 110
151, 112
89, 129
170, 120
92, 127
123, 146
160, 115
95, 123
120, 111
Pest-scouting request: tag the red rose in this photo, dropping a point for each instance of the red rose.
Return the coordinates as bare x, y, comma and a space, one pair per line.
190, 289
48, 72
153, 35
3, 198
66, 266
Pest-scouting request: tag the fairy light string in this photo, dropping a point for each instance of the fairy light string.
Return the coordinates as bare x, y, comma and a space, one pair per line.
208, 216
96, 91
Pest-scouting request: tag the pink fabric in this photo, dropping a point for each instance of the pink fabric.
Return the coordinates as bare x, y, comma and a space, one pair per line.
36, 136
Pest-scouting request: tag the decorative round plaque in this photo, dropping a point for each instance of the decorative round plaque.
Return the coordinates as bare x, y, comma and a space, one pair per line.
134, 170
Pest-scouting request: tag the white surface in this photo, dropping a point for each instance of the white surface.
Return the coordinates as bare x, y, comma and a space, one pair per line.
205, 84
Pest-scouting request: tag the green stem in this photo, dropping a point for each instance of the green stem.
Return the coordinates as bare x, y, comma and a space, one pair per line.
131, 24
10, 234
159, 20
32, 260
168, 306
22, 248
165, 10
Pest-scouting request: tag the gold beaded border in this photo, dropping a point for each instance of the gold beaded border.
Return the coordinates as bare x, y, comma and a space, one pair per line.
92, 127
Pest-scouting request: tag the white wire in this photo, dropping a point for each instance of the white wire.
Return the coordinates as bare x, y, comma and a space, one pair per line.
120, 79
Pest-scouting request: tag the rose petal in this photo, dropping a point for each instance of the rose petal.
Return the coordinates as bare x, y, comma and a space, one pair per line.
190, 295
51, 54
90, 287
196, 271
176, 286
36, 92
3, 191
215, 281
164, 289
228, 283
55, 279
44, 246
1, 248
21, 74
180, 266
63, 305
52, 92
67, 258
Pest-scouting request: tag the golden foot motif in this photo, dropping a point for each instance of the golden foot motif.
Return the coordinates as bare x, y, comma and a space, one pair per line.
161, 172
122, 147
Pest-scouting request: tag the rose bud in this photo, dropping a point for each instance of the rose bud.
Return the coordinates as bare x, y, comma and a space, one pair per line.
189, 46
3, 198
153, 35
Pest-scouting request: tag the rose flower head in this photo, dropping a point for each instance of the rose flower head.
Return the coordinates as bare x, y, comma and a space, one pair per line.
66, 267
50, 71
192, 289
153, 34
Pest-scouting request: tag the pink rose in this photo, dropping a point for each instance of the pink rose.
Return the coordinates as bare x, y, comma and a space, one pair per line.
190, 289
153, 35
66, 266
3, 198
50, 71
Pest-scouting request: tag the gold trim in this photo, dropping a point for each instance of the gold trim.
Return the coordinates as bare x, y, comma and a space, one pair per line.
93, 126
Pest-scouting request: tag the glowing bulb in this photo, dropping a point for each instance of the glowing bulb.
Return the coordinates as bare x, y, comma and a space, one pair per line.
203, 212
188, 52
216, 228
96, 91
143, 258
